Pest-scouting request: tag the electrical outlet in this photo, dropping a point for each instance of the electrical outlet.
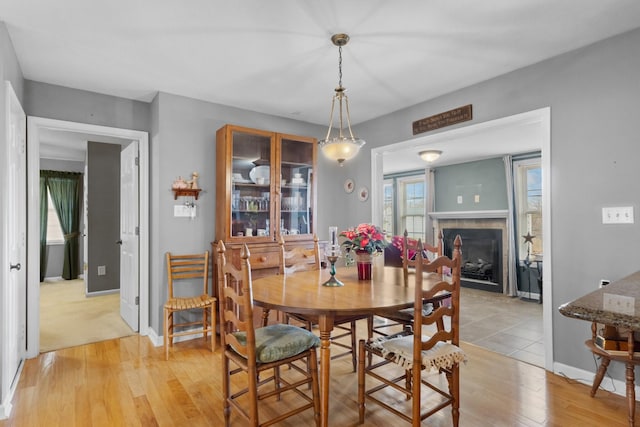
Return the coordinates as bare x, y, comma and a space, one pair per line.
476, 198
102, 270
459, 200
619, 304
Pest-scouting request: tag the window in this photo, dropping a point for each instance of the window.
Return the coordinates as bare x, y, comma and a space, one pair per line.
404, 205
528, 188
388, 207
54, 229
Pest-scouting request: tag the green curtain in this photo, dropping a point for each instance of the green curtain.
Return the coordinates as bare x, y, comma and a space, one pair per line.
65, 189
44, 211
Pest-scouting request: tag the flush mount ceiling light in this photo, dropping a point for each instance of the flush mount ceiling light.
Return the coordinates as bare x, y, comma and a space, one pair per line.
430, 155
340, 147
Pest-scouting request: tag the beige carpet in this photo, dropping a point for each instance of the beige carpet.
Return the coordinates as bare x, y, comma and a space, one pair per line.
68, 318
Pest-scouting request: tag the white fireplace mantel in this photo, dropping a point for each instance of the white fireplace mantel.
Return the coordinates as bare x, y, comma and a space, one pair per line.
470, 214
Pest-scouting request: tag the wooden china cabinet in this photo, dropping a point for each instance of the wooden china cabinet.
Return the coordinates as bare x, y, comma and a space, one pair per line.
265, 188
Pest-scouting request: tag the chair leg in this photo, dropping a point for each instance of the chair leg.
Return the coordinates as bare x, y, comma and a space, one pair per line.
361, 380
370, 336
455, 392
165, 335
226, 407
312, 363
205, 323
213, 327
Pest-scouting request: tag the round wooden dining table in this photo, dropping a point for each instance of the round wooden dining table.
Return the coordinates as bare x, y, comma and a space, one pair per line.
304, 293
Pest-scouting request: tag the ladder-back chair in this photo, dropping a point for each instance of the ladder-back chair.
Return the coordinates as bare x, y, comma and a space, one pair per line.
432, 346
184, 271
253, 352
404, 317
302, 259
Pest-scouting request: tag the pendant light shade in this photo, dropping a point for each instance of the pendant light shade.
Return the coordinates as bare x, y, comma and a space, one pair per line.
340, 147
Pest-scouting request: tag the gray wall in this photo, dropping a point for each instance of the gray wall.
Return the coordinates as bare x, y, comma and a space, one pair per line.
9, 70
593, 94
183, 141
63, 103
55, 253
485, 178
103, 207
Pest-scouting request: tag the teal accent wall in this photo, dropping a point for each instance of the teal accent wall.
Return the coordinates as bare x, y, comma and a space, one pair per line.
485, 179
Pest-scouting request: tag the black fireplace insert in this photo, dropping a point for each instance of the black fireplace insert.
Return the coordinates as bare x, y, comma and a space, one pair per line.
481, 256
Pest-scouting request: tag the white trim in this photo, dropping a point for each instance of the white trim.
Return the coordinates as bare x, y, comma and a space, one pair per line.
470, 214
101, 293
586, 377
35, 124
541, 117
158, 340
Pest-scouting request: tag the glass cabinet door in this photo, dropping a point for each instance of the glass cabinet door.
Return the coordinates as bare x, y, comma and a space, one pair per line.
297, 196
252, 158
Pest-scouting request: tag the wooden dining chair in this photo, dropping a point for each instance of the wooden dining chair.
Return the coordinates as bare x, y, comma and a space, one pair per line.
259, 353
432, 346
303, 259
404, 317
183, 274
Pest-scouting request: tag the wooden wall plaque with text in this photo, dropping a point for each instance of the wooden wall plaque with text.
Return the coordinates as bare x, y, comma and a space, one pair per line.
448, 118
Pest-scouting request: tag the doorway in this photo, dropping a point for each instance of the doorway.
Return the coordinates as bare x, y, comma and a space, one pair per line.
536, 123
36, 128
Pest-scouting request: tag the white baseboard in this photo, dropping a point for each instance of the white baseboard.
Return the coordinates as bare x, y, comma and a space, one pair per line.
101, 293
158, 340
586, 377
6, 406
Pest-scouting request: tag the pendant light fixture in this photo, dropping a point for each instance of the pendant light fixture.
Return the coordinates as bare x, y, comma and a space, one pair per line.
340, 147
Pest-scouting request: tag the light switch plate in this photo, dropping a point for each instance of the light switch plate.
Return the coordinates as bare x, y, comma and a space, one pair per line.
181, 211
617, 215
619, 304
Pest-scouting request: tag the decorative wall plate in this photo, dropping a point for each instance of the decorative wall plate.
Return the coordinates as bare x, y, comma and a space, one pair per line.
349, 186
363, 194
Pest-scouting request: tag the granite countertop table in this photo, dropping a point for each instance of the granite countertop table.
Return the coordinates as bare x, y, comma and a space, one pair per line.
617, 304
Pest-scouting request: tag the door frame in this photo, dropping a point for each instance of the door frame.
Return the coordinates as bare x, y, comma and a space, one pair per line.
34, 125
542, 119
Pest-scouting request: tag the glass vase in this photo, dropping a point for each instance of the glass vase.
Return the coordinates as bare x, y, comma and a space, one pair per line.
364, 262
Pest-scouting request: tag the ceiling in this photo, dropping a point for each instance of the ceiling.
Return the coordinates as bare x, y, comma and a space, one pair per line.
276, 57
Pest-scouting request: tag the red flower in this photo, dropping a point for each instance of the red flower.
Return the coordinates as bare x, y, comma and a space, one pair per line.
366, 237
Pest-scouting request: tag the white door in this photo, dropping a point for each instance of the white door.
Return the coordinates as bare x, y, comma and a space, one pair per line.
129, 245
14, 269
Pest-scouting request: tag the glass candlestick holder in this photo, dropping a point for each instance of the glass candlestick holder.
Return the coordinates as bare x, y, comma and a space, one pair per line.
332, 253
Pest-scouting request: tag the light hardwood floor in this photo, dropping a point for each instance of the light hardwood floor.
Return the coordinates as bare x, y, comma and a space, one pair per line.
127, 382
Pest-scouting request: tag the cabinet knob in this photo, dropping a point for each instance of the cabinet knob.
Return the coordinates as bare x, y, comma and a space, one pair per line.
262, 259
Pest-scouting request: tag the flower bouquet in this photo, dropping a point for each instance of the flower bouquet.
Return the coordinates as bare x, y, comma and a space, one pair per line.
365, 240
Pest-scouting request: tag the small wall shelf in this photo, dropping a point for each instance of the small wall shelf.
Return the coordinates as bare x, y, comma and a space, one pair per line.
193, 192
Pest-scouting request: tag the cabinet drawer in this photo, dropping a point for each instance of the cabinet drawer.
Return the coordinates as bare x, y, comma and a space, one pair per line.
261, 260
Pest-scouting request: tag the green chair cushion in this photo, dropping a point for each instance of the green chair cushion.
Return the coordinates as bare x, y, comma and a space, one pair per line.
277, 342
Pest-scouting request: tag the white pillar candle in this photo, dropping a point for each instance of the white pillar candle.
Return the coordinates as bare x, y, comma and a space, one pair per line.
333, 232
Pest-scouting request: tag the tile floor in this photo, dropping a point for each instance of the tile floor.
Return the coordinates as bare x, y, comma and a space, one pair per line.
503, 324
